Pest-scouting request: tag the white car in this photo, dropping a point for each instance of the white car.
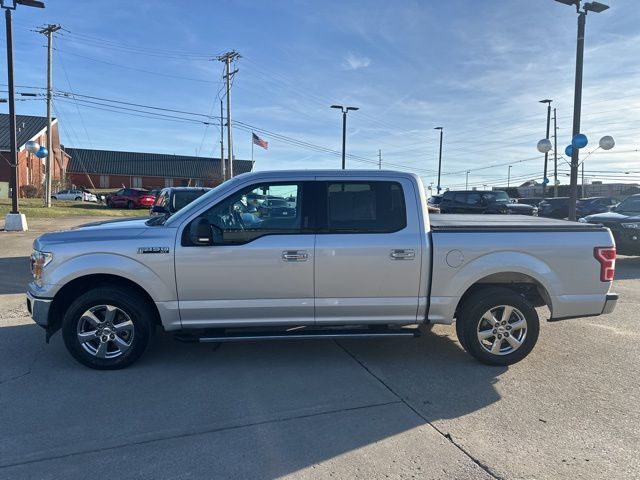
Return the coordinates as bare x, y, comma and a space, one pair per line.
74, 194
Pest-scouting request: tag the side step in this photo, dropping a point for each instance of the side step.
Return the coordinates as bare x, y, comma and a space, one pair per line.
294, 334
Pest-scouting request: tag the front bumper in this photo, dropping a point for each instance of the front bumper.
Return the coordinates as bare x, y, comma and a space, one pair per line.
610, 303
39, 309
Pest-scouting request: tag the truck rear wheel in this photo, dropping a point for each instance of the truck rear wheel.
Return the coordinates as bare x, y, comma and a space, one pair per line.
107, 328
498, 326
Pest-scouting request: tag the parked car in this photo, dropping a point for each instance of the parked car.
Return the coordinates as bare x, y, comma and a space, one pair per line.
483, 201
131, 198
89, 196
255, 199
434, 201
624, 222
75, 194
474, 201
276, 207
593, 205
172, 199
358, 252
557, 207
529, 201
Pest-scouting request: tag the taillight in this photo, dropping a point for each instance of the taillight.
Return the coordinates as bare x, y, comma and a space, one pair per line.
607, 258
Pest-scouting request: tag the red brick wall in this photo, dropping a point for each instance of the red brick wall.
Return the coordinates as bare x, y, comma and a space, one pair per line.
30, 167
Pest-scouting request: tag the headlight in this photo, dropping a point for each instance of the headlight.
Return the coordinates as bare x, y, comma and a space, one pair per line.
39, 260
635, 225
582, 220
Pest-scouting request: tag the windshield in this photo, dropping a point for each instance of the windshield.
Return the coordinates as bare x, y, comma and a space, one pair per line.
631, 204
186, 211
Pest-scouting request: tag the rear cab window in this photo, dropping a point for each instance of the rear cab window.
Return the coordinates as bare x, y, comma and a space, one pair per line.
363, 207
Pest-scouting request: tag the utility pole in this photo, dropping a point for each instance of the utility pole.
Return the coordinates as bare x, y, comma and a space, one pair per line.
222, 162
582, 179
49, 31
379, 159
227, 58
466, 183
555, 155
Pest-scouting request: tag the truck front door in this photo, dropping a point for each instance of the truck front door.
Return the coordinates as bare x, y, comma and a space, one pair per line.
259, 269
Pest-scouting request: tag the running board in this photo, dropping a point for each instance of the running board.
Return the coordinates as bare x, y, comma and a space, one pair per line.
335, 334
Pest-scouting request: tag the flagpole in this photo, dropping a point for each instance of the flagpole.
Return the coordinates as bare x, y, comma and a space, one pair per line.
252, 148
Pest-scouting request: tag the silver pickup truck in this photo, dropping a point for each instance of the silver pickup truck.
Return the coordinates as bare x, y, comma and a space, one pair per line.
347, 254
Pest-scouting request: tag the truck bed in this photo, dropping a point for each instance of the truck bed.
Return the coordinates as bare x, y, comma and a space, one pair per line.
504, 223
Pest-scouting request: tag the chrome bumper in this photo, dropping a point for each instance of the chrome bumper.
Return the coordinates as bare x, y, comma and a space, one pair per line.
610, 303
39, 309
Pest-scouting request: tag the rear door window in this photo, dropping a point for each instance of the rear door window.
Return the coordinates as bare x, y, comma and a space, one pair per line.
364, 207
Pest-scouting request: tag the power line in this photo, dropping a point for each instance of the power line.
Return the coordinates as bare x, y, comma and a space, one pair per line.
128, 67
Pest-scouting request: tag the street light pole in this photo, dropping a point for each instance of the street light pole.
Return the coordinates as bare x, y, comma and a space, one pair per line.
15, 220
595, 7
555, 155
509, 177
439, 158
466, 184
12, 114
344, 130
546, 155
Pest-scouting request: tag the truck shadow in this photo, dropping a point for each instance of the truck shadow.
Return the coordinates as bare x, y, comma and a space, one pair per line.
292, 405
627, 268
15, 274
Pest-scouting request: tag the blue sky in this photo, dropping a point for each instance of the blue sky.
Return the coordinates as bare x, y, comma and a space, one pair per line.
477, 68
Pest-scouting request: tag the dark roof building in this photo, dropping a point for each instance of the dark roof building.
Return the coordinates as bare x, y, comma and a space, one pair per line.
27, 128
31, 169
145, 169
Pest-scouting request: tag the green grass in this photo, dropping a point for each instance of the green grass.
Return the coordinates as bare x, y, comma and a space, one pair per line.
32, 208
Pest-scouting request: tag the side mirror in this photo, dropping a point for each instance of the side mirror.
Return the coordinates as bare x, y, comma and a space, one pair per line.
160, 210
200, 232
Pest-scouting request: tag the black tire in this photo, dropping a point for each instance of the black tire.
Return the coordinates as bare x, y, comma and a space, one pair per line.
78, 198
470, 325
130, 205
129, 304
53, 197
109, 204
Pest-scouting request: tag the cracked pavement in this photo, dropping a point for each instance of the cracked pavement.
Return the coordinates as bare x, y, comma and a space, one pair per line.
394, 408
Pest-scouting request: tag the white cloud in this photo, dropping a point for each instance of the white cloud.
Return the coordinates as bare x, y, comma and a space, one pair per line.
354, 62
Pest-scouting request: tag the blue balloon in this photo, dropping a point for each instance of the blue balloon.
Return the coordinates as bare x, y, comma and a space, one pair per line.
43, 152
579, 141
568, 151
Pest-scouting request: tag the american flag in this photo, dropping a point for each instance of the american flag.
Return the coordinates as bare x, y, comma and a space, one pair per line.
260, 142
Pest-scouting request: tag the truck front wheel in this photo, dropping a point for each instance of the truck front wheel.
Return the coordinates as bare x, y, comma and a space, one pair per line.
498, 326
107, 328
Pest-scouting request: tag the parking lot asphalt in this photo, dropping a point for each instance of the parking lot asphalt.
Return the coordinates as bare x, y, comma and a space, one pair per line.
395, 408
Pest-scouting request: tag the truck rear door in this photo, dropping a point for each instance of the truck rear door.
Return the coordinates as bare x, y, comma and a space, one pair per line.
368, 251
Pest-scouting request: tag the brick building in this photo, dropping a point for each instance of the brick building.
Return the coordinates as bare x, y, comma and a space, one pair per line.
112, 169
31, 169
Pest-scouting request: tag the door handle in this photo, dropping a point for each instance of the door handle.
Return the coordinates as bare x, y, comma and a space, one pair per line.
295, 256
403, 254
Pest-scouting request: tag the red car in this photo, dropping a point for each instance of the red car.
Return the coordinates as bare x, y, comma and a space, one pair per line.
131, 198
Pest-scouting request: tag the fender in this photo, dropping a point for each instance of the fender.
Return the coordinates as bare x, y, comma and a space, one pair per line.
159, 282
443, 308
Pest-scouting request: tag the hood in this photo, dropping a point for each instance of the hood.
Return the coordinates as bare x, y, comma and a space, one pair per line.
115, 223
613, 217
97, 231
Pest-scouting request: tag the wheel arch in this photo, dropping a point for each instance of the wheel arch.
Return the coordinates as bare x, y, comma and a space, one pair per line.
80, 285
524, 284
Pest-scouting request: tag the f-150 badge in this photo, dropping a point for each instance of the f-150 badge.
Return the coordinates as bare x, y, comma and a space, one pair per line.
153, 249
